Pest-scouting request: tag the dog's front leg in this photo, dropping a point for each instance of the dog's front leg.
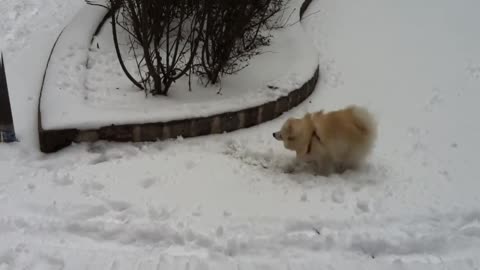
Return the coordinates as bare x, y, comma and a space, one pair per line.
290, 167
324, 167
340, 167
299, 162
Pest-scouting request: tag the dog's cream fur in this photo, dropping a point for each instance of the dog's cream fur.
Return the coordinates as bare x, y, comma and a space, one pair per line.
333, 141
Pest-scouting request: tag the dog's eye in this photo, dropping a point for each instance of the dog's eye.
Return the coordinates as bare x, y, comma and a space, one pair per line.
290, 138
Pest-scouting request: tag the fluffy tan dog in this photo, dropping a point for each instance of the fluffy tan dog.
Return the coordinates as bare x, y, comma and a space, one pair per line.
333, 141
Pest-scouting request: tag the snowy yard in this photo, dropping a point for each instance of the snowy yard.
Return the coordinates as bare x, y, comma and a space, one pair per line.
223, 201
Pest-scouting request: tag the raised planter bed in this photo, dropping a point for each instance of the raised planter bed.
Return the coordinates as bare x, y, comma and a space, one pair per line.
85, 99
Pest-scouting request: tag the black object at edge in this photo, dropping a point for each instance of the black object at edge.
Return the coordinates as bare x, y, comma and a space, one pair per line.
7, 130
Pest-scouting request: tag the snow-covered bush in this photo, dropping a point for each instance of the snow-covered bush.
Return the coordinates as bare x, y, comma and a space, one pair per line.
172, 38
234, 33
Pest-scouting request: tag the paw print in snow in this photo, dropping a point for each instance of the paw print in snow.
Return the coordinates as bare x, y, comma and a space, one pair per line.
435, 99
474, 71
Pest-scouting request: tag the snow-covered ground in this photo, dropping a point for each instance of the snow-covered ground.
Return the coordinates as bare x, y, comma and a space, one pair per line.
224, 202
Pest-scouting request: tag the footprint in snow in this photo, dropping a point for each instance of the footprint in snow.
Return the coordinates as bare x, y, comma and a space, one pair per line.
148, 182
91, 212
47, 263
118, 205
338, 196
63, 180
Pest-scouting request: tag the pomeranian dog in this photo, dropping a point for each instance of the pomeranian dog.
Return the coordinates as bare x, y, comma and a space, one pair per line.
334, 141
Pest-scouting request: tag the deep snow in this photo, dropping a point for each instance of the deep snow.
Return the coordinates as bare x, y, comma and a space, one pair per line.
224, 201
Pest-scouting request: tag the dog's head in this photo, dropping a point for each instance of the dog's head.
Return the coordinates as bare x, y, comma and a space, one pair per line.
296, 134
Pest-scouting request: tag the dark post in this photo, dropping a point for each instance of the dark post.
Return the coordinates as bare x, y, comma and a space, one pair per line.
7, 130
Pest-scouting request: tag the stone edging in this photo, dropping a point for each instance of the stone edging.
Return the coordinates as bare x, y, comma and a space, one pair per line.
54, 140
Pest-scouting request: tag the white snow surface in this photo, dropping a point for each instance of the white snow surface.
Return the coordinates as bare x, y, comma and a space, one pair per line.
85, 87
224, 201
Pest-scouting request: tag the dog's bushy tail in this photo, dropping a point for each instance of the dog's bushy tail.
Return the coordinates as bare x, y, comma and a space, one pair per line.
366, 122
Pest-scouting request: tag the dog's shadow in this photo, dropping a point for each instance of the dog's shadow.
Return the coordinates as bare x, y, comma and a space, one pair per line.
363, 176
266, 160
301, 172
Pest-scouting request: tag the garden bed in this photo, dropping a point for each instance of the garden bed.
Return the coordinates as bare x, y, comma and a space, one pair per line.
86, 96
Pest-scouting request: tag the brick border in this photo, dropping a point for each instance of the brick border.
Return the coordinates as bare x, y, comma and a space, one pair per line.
54, 140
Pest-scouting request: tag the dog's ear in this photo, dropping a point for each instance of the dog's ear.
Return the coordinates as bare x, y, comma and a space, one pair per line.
304, 141
304, 146
288, 127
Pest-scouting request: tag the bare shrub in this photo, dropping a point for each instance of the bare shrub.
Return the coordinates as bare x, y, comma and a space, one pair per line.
233, 35
170, 38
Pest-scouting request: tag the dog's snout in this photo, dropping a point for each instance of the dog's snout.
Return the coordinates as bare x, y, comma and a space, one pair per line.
277, 135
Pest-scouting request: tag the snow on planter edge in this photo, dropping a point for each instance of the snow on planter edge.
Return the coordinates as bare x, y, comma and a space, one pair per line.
61, 91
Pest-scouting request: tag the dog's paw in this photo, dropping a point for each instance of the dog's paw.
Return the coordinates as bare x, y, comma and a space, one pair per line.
340, 168
296, 165
289, 170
